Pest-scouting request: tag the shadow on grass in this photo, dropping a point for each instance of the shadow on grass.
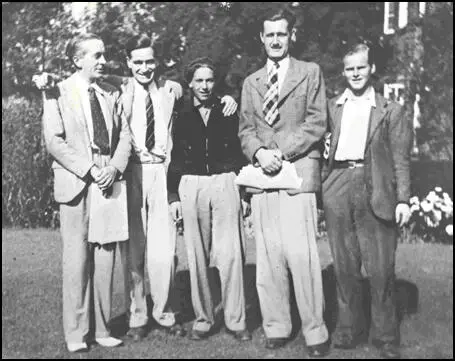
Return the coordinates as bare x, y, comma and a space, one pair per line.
407, 297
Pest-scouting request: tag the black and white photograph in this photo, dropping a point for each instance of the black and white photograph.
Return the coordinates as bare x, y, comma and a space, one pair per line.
227, 180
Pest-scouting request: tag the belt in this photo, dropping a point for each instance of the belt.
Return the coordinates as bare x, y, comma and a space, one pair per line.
98, 151
351, 164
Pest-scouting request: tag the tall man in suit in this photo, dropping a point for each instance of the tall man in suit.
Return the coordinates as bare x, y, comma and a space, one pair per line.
283, 116
205, 159
90, 144
365, 195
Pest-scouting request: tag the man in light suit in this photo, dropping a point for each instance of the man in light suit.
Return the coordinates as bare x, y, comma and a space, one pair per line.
90, 144
283, 116
151, 229
365, 194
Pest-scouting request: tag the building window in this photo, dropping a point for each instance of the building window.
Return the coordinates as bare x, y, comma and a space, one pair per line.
402, 14
390, 17
395, 92
396, 15
422, 8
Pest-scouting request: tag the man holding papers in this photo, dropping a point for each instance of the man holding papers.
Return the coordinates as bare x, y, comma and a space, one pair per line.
283, 118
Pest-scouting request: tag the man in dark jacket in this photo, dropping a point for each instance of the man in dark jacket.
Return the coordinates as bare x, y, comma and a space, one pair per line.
204, 162
365, 196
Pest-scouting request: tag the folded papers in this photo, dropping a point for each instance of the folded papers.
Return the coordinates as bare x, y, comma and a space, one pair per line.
287, 178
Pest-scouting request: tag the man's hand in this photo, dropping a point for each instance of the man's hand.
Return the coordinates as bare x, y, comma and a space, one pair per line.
106, 177
402, 214
175, 87
230, 105
44, 81
95, 173
176, 211
270, 160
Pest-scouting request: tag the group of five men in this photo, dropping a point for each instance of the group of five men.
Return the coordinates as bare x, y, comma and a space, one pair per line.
186, 151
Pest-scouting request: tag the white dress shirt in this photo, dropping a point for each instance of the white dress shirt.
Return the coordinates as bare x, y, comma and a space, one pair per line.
282, 70
139, 123
354, 124
82, 86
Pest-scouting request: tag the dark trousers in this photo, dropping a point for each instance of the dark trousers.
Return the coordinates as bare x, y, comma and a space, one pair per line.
358, 238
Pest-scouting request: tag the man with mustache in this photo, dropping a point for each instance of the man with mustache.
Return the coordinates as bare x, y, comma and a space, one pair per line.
283, 117
90, 143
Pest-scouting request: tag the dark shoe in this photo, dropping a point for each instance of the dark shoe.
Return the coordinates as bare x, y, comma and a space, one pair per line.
242, 335
388, 350
137, 333
175, 330
347, 342
275, 342
196, 335
319, 350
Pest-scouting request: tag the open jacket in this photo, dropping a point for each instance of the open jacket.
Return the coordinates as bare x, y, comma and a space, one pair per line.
387, 154
200, 149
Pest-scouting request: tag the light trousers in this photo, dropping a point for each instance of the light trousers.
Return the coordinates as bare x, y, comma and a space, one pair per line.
151, 232
213, 233
87, 271
285, 231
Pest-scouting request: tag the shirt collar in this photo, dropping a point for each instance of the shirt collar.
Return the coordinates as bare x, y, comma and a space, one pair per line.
368, 96
197, 103
83, 85
283, 63
151, 87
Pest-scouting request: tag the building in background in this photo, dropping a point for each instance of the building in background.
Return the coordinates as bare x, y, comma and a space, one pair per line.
403, 29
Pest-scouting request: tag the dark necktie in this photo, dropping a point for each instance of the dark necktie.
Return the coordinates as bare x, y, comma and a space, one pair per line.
100, 133
150, 133
270, 106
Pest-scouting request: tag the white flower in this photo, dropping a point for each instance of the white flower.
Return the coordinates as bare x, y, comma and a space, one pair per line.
432, 196
438, 189
426, 206
414, 207
449, 229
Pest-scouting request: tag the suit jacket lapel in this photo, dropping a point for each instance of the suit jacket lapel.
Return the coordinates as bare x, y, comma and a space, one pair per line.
74, 101
127, 99
337, 114
377, 116
261, 81
293, 77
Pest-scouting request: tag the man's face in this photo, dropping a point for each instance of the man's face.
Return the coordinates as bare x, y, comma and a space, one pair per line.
358, 72
202, 84
90, 58
142, 64
276, 38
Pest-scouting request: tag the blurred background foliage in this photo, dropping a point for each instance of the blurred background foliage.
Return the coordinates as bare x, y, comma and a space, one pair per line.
34, 36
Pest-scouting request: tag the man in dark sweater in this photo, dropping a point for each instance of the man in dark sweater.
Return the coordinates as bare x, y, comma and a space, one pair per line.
201, 190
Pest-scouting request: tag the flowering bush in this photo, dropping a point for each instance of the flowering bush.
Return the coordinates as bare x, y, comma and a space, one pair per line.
431, 219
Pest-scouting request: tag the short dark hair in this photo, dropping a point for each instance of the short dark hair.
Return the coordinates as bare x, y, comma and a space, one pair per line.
139, 41
278, 14
74, 45
360, 48
202, 62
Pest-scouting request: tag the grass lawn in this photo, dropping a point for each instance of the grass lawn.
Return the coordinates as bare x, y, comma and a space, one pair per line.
31, 306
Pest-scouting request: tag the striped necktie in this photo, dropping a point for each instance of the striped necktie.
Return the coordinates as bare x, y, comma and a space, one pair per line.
100, 133
270, 107
150, 133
